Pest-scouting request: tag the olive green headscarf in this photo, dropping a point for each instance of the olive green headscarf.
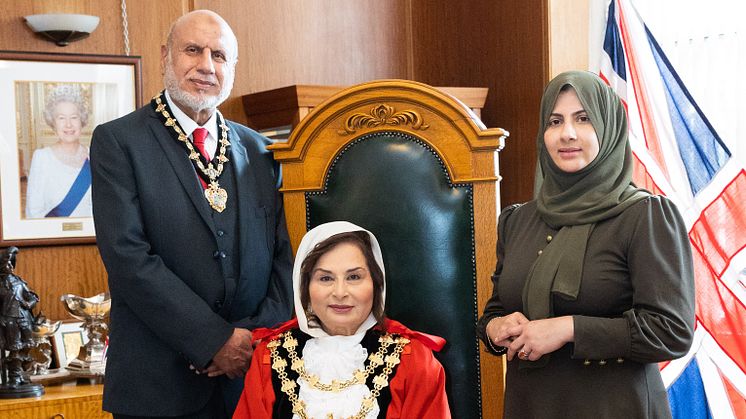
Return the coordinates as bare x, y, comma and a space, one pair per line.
574, 202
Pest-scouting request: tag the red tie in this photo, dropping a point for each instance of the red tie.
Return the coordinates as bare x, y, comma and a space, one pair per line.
198, 138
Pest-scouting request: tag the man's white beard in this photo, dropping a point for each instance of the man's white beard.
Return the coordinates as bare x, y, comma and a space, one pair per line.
196, 103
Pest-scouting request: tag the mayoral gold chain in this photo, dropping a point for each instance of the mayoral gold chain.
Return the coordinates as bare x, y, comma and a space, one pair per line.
381, 357
216, 196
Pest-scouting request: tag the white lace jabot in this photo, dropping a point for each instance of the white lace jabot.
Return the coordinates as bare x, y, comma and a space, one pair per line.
335, 358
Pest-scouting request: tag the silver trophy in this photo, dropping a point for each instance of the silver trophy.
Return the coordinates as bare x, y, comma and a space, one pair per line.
92, 311
42, 331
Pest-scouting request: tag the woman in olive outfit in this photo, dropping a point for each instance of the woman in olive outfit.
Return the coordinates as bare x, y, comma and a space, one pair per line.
594, 282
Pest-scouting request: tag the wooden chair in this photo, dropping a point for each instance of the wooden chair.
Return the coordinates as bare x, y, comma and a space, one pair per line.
417, 168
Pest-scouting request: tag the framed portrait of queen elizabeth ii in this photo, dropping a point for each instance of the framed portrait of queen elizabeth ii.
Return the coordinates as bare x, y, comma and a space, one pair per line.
51, 103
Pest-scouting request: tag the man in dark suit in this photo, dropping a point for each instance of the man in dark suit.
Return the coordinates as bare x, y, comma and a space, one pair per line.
190, 226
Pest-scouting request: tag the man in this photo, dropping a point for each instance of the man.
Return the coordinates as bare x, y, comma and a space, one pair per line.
196, 248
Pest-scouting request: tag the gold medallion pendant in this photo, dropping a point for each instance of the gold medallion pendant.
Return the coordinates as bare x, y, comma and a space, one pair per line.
216, 196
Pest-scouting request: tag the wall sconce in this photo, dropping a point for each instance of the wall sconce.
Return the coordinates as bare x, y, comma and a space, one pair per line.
62, 28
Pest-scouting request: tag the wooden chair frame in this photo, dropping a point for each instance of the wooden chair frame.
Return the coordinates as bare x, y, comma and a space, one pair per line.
466, 147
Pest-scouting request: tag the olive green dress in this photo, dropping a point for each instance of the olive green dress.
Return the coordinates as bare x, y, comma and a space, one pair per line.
635, 308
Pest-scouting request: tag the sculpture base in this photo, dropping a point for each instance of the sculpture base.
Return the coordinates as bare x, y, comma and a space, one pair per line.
21, 391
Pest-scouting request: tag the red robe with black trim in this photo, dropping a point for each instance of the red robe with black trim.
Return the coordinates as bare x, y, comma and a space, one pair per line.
417, 389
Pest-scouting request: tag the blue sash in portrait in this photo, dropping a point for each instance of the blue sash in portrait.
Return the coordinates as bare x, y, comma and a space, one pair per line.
75, 194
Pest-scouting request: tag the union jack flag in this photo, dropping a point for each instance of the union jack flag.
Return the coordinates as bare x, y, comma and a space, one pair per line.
679, 154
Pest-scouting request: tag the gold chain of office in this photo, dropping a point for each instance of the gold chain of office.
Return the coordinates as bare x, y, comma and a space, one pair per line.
215, 195
359, 376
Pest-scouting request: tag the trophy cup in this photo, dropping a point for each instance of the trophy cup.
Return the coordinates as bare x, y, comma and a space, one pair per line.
42, 331
92, 311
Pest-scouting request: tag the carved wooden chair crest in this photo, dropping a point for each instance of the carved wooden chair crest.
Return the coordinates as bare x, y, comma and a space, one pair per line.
417, 168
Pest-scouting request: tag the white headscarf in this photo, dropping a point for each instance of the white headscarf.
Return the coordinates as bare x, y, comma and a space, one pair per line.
309, 242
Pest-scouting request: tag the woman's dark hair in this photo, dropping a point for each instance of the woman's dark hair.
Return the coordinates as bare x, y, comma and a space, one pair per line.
361, 239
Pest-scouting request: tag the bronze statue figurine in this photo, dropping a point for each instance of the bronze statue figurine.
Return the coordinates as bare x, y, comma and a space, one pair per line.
17, 321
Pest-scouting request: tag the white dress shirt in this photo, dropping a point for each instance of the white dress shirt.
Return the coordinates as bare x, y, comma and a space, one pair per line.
189, 125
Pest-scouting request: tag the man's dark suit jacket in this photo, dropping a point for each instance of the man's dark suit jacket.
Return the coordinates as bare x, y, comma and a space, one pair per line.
172, 306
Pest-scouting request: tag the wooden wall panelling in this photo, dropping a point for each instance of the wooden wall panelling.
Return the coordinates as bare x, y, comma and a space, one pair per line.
324, 42
498, 44
568, 35
523, 69
54, 270
16, 35
149, 22
522, 52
